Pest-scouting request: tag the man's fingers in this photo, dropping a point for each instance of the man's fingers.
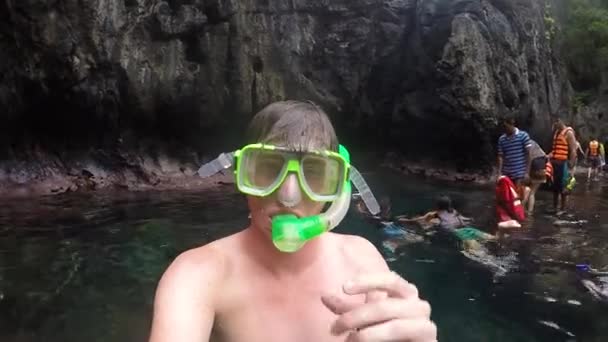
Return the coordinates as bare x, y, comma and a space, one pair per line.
397, 330
375, 296
381, 311
338, 305
389, 282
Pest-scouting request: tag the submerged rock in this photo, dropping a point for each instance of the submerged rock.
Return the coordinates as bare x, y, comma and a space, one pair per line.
562, 223
598, 290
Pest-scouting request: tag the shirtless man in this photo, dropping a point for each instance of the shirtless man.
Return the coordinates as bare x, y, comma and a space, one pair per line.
243, 288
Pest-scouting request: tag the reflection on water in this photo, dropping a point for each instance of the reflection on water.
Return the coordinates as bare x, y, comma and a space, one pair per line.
85, 267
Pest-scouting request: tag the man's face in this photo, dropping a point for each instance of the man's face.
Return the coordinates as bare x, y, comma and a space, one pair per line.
558, 125
263, 209
508, 127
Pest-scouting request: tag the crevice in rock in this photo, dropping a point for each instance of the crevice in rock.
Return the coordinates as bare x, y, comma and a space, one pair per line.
214, 15
194, 52
257, 64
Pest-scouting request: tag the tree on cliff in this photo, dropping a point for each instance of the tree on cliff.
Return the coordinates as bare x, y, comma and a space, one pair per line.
586, 44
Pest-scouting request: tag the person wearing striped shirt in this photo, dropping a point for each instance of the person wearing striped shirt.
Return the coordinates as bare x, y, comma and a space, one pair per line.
514, 154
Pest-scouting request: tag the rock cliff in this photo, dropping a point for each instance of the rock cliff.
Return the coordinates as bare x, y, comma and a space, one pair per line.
424, 78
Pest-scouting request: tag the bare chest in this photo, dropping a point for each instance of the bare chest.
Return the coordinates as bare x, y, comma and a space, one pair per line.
272, 312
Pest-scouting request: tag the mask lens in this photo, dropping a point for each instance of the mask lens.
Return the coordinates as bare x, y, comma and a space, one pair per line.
322, 174
262, 168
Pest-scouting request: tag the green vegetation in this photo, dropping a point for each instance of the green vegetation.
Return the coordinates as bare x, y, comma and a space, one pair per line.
585, 45
581, 99
550, 27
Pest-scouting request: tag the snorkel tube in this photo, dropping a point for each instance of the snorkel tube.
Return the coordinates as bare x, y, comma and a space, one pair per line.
290, 233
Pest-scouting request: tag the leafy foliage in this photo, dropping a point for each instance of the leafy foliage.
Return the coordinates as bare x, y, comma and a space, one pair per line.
586, 42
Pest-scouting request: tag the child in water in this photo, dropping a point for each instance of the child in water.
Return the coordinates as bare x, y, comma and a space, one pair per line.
446, 219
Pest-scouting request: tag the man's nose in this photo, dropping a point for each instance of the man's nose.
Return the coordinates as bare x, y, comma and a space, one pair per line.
290, 194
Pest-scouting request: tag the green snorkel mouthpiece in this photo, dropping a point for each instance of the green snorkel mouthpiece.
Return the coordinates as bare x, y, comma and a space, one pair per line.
290, 233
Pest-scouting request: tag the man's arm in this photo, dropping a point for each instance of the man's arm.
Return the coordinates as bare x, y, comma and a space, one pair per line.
499, 162
579, 147
499, 159
184, 306
527, 148
464, 218
528, 162
426, 217
572, 146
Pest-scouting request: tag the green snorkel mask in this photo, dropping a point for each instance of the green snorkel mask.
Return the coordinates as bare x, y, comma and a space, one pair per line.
324, 176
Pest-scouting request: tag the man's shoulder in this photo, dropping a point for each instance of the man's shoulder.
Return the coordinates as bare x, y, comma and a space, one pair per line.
569, 131
523, 134
353, 241
360, 251
204, 261
208, 261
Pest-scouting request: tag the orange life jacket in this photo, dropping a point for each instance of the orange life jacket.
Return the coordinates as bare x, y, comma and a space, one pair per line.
594, 147
560, 144
549, 171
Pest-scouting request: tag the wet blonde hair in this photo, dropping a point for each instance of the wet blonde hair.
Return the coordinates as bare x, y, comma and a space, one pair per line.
300, 126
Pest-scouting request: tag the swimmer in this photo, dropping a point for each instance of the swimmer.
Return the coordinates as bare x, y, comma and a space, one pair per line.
448, 220
383, 218
264, 283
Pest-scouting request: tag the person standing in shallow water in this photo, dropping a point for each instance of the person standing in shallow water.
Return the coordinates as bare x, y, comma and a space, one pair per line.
593, 158
514, 154
336, 287
538, 175
563, 159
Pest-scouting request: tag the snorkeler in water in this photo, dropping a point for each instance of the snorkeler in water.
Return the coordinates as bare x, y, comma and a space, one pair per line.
448, 221
287, 276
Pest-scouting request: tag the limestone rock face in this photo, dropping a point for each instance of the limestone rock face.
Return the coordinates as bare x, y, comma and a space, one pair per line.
428, 78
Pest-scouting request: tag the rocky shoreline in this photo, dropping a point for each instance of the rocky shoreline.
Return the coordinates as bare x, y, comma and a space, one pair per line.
433, 171
51, 175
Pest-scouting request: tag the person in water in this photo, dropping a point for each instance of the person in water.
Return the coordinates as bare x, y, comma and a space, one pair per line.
385, 209
262, 284
514, 154
449, 221
592, 156
602, 158
563, 160
538, 175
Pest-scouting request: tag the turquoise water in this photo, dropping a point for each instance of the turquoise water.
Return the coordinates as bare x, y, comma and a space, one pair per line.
84, 267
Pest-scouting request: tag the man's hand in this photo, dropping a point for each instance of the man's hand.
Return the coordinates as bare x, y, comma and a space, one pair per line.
392, 312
